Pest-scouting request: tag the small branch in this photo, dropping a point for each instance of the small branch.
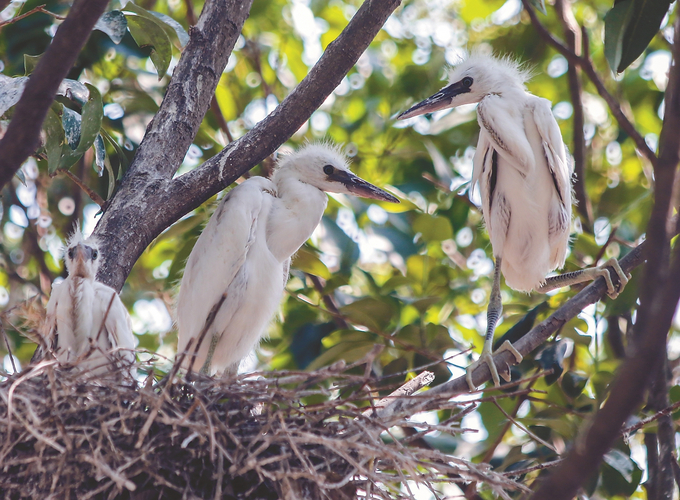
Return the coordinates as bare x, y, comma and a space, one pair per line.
328, 302
586, 65
380, 409
572, 33
666, 411
90, 192
23, 132
546, 465
39, 8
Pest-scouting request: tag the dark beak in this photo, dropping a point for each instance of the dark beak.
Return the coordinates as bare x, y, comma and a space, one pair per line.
359, 187
83, 253
440, 100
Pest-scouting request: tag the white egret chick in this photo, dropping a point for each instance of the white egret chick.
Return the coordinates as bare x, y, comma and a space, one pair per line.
86, 321
524, 182
244, 253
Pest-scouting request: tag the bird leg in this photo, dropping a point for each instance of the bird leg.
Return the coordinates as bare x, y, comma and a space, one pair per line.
567, 279
493, 313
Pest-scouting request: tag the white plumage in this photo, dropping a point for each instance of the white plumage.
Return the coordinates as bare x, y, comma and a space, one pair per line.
86, 321
524, 181
245, 250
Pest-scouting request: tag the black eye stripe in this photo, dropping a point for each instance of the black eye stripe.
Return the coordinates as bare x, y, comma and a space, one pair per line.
328, 169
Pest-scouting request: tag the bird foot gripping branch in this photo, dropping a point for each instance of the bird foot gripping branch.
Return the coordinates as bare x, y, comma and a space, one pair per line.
487, 357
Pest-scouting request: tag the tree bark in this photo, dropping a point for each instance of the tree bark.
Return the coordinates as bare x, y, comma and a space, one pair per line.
149, 200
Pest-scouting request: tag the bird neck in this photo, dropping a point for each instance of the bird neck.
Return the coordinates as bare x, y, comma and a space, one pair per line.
80, 289
296, 212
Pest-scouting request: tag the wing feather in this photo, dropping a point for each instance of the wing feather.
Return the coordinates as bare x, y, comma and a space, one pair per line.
218, 255
117, 329
505, 128
554, 149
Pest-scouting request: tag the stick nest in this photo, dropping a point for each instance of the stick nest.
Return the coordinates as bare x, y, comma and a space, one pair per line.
66, 434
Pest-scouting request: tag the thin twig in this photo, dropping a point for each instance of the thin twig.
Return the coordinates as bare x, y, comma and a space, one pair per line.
208, 323
572, 34
88, 190
329, 302
39, 8
415, 384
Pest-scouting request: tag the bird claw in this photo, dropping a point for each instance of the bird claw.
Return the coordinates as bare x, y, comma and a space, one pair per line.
623, 277
487, 357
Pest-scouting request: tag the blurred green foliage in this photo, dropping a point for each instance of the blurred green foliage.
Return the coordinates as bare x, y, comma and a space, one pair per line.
414, 278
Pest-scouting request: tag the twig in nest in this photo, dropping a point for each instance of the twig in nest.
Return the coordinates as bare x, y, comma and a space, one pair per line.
208, 323
410, 387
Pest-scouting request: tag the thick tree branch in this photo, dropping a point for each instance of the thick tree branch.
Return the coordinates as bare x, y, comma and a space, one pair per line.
659, 293
23, 132
148, 201
572, 34
586, 65
136, 214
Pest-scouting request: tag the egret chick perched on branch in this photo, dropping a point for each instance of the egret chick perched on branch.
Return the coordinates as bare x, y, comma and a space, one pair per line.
86, 321
524, 182
239, 266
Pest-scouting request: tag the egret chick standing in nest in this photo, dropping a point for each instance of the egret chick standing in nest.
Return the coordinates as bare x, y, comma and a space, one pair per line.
86, 321
524, 182
244, 253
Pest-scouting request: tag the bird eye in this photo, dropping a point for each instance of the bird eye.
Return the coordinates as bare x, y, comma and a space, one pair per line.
70, 253
328, 169
95, 254
467, 81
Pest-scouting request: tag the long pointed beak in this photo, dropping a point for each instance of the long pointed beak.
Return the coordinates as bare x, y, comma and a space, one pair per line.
359, 187
440, 100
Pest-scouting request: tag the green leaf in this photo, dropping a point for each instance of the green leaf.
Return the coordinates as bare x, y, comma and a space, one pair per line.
540, 6
55, 140
171, 27
122, 158
573, 384
479, 9
90, 124
180, 33
369, 312
99, 155
114, 24
148, 33
70, 120
620, 474
630, 26
30, 62
308, 262
433, 228
10, 91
